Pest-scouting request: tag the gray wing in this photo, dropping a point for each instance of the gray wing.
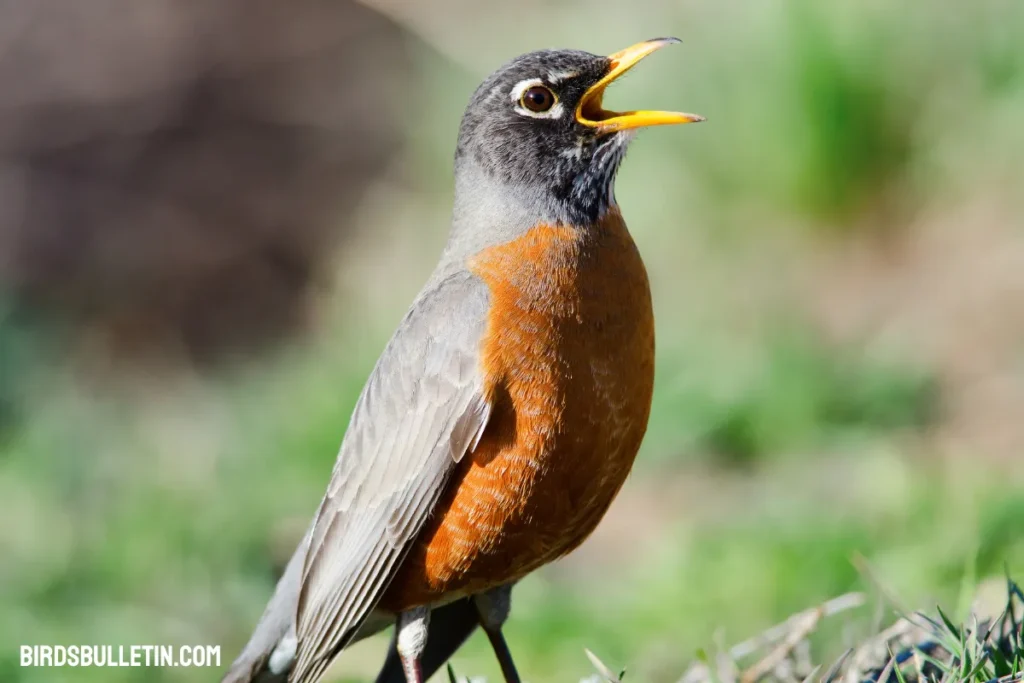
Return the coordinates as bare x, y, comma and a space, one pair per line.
422, 409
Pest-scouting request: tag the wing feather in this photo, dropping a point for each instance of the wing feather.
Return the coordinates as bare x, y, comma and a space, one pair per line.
422, 409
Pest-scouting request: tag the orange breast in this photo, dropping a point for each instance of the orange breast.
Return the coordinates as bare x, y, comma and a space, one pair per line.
568, 359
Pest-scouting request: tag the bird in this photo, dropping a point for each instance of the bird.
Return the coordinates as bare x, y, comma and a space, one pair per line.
507, 409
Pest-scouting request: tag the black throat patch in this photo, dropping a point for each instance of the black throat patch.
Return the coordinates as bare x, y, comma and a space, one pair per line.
588, 188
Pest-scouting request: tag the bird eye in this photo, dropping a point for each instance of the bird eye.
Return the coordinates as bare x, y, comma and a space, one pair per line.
537, 99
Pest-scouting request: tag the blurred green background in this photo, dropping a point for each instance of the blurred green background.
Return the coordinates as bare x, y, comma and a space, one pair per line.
837, 259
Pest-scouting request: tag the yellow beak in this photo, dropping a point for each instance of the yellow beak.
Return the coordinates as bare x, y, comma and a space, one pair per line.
590, 113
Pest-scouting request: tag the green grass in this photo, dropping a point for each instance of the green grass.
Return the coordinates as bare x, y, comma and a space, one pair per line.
793, 394
830, 112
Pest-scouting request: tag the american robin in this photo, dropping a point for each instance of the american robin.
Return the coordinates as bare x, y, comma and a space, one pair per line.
507, 409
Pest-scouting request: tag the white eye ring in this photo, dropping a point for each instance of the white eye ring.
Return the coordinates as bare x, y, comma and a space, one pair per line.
516, 95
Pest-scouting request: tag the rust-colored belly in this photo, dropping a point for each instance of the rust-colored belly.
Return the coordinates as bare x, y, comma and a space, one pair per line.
568, 359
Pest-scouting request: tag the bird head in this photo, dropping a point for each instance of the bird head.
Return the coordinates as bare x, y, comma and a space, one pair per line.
538, 126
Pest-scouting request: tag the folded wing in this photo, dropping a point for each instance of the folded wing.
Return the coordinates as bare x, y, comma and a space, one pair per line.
422, 409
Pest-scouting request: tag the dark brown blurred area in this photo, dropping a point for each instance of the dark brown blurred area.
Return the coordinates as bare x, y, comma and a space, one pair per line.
176, 173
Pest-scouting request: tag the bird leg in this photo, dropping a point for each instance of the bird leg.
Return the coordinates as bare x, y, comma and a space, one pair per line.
411, 641
493, 608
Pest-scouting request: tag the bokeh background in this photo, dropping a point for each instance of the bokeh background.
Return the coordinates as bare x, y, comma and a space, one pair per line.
213, 214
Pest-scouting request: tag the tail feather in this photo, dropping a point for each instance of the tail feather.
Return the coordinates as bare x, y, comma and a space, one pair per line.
254, 664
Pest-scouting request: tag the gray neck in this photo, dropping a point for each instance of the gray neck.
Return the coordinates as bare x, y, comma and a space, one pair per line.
488, 211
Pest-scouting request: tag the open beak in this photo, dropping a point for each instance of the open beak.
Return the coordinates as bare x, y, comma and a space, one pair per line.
590, 113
